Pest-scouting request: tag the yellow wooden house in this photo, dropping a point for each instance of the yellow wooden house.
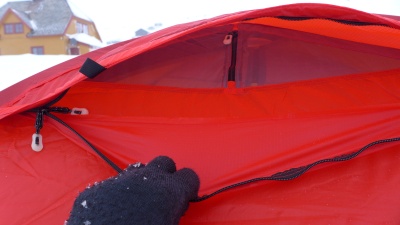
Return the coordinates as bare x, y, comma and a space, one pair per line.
46, 27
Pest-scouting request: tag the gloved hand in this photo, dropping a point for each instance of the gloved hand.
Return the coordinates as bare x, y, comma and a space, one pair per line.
155, 194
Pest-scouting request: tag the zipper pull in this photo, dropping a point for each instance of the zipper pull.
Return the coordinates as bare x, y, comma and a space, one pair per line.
66, 110
79, 111
37, 139
37, 142
228, 39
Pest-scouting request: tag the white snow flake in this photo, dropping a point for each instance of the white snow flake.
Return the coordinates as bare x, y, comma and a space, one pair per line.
84, 204
137, 165
87, 222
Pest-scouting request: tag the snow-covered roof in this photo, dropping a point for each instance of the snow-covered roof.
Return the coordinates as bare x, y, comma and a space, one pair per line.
86, 39
24, 18
20, 0
45, 17
77, 12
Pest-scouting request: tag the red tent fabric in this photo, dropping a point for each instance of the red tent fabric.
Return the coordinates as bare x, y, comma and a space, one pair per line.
236, 97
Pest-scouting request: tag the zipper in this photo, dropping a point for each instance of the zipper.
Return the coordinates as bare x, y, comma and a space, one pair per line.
231, 39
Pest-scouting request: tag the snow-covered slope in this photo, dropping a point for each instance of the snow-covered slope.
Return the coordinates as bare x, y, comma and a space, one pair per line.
15, 68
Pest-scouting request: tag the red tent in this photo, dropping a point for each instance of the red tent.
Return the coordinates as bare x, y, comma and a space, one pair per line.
300, 102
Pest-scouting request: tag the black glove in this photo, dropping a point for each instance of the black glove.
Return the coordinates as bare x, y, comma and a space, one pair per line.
155, 194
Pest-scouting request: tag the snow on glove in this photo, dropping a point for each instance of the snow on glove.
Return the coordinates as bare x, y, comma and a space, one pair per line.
155, 194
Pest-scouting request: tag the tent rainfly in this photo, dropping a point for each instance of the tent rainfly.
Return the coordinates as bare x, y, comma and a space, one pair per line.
289, 114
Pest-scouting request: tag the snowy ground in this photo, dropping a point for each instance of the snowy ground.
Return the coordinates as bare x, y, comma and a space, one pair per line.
15, 68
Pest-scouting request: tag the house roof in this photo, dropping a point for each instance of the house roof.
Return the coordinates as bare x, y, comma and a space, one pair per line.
86, 39
54, 21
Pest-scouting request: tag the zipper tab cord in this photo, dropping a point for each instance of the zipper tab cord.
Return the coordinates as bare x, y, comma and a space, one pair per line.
37, 138
98, 152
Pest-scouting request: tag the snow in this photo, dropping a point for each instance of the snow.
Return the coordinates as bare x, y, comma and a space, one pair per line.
137, 165
3, 2
77, 12
22, 16
86, 39
15, 68
84, 204
33, 25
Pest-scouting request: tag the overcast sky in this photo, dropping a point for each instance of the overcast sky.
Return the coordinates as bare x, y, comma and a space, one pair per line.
119, 19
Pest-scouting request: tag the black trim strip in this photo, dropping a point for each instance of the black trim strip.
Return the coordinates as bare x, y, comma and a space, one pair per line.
91, 68
298, 18
347, 22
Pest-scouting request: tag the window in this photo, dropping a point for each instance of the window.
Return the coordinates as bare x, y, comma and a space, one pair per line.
8, 28
37, 50
82, 28
13, 28
19, 28
85, 29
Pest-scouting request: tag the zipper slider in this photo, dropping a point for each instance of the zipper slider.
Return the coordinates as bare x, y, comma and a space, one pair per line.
232, 35
228, 39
